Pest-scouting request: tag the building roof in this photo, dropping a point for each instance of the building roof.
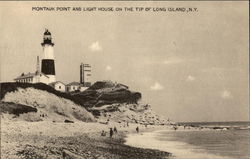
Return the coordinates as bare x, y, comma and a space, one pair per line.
73, 84
28, 75
53, 83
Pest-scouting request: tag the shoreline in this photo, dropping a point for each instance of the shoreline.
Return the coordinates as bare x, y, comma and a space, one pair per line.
46, 139
146, 140
185, 146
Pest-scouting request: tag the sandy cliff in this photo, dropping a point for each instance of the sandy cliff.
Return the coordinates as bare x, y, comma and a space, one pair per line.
49, 106
103, 101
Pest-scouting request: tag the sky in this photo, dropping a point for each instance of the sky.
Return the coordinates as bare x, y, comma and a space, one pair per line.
188, 66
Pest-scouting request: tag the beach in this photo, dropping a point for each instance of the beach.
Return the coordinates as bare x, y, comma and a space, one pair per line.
38, 122
46, 139
77, 140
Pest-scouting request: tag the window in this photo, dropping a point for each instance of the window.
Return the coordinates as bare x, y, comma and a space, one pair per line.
59, 87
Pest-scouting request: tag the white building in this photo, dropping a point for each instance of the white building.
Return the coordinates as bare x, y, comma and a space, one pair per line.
59, 86
73, 86
33, 78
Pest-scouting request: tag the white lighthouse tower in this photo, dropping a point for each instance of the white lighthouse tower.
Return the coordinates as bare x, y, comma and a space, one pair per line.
48, 62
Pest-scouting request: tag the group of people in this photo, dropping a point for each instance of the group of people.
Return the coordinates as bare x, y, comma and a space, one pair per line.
111, 132
114, 130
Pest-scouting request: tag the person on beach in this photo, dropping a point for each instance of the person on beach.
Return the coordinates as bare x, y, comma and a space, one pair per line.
137, 129
103, 133
110, 132
115, 130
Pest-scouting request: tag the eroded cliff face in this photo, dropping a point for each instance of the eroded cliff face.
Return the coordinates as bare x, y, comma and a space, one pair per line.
131, 113
107, 92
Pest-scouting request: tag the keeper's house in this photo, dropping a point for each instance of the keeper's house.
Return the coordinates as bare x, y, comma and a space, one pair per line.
36, 77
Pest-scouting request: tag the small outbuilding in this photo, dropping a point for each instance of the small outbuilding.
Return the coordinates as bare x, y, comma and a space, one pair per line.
73, 86
59, 86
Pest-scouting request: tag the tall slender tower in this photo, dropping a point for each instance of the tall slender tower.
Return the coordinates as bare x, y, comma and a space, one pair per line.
37, 65
85, 74
48, 64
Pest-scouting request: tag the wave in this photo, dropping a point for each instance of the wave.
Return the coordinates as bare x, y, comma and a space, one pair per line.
225, 127
242, 128
179, 150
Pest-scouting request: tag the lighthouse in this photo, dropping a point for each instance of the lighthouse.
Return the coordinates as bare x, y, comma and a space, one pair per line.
48, 62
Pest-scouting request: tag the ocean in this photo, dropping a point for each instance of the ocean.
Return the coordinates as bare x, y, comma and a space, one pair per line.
233, 143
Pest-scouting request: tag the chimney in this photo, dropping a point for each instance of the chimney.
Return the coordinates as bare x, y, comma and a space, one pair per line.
37, 65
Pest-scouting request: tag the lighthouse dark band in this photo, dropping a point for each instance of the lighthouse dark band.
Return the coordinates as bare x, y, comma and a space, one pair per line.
48, 67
